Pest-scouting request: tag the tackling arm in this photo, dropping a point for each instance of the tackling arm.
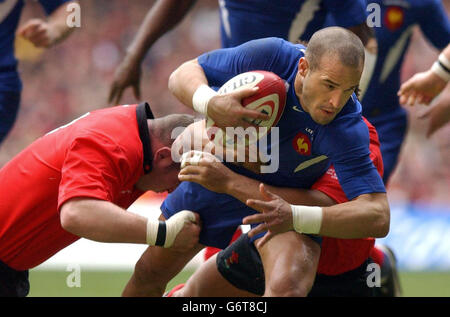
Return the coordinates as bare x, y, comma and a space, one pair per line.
104, 221
365, 216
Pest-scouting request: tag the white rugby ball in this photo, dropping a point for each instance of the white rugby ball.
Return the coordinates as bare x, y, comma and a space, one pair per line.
269, 99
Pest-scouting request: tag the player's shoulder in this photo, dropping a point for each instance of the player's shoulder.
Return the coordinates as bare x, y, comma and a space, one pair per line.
274, 43
191, 196
113, 125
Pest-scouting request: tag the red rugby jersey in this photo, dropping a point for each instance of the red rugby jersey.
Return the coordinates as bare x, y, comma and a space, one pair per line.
99, 155
343, 255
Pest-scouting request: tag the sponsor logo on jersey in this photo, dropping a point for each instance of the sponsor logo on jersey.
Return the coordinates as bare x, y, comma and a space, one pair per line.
332, 172
297, 109
302, 144
394, 18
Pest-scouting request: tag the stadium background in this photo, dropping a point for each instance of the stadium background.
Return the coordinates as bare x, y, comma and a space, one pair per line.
68, 80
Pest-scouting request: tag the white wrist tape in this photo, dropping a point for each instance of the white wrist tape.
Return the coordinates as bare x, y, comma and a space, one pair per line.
201, 98
307, 219
438, 69
152, 231
163, 233
444, 60
192, 160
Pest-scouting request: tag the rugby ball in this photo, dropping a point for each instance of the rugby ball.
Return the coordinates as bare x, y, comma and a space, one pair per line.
269, 99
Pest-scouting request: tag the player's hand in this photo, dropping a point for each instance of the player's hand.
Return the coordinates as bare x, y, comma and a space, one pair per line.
195, 138
227, 111
421, 88
275, 215
38, 32
127, 74
207, 171
188, 236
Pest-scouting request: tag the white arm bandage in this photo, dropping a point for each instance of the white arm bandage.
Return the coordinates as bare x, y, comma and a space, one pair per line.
307, 219
163, 233
193, 160
201, 98
442, 67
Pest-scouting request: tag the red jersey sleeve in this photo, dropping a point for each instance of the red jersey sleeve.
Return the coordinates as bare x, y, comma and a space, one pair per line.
93, 167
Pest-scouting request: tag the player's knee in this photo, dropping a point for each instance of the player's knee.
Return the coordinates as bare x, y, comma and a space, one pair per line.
295, 283
287, 288
146, 274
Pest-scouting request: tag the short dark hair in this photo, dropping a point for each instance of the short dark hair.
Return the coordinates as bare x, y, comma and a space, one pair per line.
162, 128
335, 41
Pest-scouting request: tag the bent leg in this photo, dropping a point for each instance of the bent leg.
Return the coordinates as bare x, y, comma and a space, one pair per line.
290, 263
156, 267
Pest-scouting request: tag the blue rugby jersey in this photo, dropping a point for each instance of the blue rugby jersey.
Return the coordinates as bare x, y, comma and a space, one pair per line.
242, 21
397, 20
380, 102
347, 134
306, 149
393, 40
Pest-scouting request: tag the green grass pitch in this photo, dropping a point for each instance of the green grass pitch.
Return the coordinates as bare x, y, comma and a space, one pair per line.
111, 283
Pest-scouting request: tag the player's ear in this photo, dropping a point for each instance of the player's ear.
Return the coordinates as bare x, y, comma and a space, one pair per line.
163, 157
303, 66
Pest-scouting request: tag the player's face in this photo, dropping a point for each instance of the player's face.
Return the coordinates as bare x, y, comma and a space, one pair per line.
164, 174
324, 91
170, 178
164, 179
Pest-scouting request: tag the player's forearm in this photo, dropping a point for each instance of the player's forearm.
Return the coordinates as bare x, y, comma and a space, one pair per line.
57, 22
102, 221
185, 80
366, 216
244, 188
162, 17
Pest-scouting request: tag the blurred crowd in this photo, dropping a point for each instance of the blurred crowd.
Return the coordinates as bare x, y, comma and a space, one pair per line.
74, 77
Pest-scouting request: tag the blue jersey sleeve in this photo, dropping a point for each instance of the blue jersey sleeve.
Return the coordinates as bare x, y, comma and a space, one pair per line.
270, 54
189, 196
220, 214
51, 5
346, 142
346, 13
434, 23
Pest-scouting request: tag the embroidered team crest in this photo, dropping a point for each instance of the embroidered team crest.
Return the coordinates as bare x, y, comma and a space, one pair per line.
233, 259
394, 18
302, 144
